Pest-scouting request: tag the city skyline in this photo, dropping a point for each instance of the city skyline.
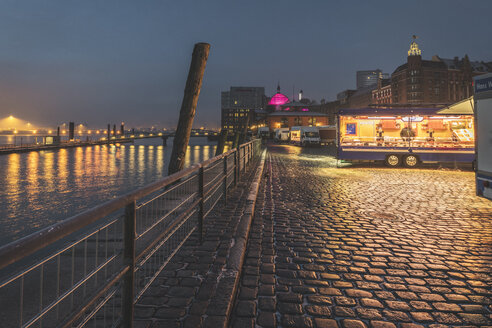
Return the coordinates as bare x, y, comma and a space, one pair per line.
122, 61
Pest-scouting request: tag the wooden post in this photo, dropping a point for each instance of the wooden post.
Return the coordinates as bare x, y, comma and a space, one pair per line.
235, 142
109, 132
245, 125
222, 141
188, 106
128, 289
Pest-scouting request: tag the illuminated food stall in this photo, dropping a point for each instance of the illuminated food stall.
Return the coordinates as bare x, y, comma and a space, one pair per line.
408, 135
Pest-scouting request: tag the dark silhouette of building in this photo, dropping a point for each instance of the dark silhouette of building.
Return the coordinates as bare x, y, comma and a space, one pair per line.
362, 97
344, 96
240, 103
369, 78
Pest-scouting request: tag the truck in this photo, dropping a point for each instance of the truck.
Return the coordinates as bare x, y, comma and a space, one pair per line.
327, 134
483, 132
264, 132
408, 136
304, 135
281, 135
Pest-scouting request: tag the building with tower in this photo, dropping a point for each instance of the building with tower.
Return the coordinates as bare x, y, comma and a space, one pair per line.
436, 81
285, 113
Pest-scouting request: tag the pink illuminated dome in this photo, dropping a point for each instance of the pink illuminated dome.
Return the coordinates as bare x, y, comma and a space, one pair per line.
278, 99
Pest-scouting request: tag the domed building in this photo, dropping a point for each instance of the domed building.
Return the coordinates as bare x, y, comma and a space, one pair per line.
278, 99
284, 113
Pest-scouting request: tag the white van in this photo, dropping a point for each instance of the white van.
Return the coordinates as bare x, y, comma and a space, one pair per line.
281, 135
304, 135
264, 132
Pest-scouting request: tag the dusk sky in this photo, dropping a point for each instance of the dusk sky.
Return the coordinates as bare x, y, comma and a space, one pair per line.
100, 62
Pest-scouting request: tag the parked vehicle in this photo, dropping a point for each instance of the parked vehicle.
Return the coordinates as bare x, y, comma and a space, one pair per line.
327, 134
281, 135
483, 123
407, 136
304, 135
264, 132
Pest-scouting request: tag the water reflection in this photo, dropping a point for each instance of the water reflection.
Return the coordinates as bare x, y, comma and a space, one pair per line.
41, 188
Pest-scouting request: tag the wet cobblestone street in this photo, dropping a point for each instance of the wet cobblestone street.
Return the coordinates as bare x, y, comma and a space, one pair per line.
365, 246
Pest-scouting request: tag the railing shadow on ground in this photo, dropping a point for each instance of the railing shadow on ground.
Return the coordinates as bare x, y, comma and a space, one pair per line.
93, 267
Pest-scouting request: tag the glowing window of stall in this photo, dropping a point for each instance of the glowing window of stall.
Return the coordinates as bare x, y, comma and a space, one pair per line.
351, 129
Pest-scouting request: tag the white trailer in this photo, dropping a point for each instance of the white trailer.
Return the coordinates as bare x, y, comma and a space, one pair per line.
304, 135
483, 139
264, 132
281, 135
327, 134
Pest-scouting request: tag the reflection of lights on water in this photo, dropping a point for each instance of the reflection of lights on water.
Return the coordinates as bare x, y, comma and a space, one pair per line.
13, 168
87, 174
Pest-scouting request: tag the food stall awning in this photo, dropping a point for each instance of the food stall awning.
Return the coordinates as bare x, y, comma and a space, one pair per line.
463, 107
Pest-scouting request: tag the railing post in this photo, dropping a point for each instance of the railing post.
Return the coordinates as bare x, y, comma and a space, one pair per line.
244, 159
128, 292
225, 179
235, 167
200, 208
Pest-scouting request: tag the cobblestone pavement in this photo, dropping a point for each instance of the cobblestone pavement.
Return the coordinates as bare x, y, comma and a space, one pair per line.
365, 247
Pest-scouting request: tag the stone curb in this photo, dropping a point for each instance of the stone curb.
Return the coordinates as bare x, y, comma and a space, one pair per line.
228, 280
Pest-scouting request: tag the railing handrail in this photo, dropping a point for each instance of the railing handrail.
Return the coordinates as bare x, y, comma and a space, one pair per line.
19, 249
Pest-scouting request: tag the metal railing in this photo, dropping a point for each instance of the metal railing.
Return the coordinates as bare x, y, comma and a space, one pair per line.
93, 267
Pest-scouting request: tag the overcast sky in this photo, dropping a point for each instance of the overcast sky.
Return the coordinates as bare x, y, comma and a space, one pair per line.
106, 61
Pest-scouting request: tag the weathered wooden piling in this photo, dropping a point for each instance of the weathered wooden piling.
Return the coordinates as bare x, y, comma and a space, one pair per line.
235, 140
241, 131
71, 130
221, 142
244, 131
188, 106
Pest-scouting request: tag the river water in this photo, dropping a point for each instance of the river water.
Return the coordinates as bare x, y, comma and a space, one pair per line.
40, 188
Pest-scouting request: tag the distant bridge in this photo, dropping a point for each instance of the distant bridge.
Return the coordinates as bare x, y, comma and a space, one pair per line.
126, 138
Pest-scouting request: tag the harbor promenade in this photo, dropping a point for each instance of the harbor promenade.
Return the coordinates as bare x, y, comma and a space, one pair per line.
365, 246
